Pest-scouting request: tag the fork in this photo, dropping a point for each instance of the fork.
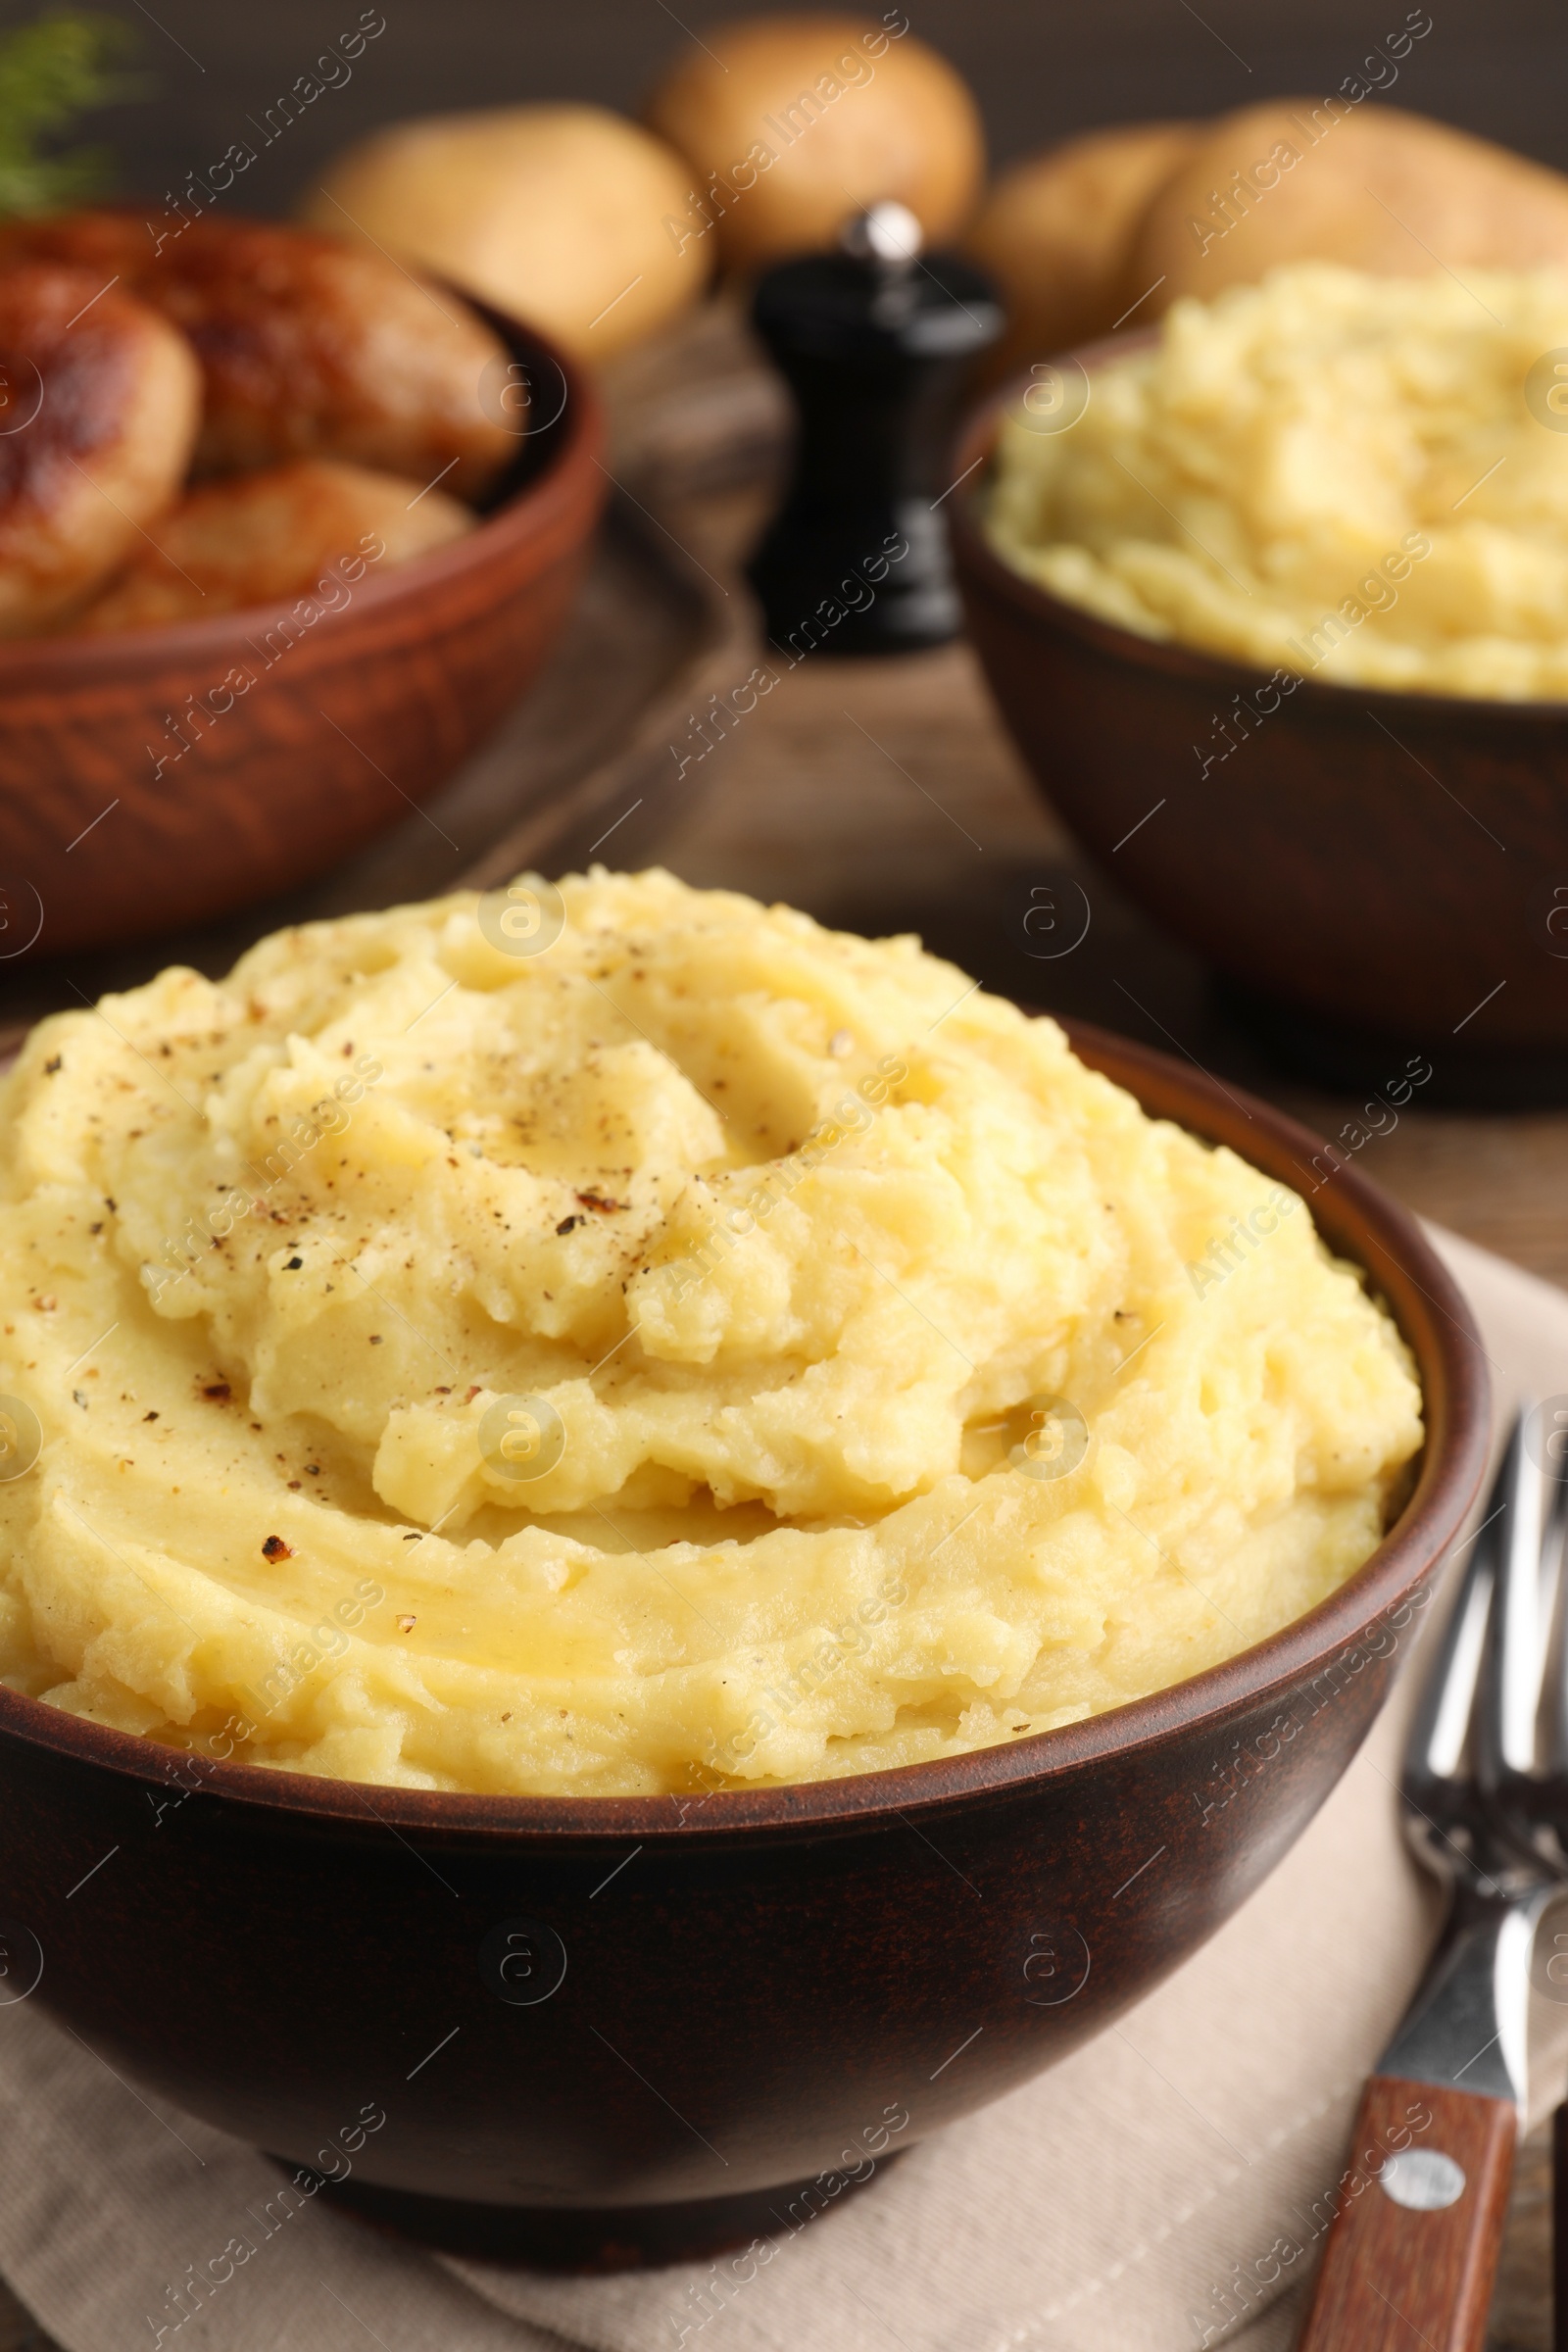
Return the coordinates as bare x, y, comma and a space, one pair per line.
1414, 2242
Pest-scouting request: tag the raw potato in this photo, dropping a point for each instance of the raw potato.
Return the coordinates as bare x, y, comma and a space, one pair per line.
1055, 231
258, 538
100, 401
1372, 188
791, 124
555, 213
637, 1364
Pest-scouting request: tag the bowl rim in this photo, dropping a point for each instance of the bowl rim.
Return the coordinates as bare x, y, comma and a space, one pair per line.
31, 664
973, 448
1360, 1221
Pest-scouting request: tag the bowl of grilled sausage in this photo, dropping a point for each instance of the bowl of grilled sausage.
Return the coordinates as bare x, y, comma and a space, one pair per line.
284, 530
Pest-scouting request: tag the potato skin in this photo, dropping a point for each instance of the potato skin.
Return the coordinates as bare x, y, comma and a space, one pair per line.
1376, 188
789, 124
100, 402
555, 213
1055, 231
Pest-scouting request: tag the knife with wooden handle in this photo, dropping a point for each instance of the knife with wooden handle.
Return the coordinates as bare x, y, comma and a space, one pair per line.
1413, 2258
1412, 2250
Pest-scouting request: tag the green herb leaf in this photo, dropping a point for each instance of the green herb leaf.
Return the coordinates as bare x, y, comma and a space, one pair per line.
51, 72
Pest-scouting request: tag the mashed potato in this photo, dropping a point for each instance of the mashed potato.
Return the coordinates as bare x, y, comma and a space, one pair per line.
1360, 479
629, 1339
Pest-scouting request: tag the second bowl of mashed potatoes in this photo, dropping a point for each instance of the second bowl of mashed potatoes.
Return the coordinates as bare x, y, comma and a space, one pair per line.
1350, 477
1275, 601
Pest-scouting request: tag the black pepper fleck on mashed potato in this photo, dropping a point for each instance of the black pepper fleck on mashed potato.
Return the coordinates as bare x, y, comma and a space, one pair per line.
598, 1370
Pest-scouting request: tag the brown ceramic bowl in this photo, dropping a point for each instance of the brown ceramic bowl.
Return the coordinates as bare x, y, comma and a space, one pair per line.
704, 2004
1372, 869
349, 719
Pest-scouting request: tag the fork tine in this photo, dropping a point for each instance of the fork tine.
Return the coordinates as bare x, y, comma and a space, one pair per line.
1508, 1697
1433, 1779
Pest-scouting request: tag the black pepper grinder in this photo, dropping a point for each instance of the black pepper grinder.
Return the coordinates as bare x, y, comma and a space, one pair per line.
874, 342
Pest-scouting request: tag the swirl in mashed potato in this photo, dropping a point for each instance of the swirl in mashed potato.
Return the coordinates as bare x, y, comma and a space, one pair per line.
760, 1246
1362, 479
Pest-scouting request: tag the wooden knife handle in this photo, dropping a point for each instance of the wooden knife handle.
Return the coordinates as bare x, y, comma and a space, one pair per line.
1419, 2211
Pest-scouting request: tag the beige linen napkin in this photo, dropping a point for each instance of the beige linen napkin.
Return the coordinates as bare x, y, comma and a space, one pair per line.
1153, 2192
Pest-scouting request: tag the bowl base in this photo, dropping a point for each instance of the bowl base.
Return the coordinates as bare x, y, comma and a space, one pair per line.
1483, 1076
582, 2238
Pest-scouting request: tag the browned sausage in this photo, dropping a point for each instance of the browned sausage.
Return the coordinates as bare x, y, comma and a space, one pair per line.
311, 528
99, 401
309, 347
